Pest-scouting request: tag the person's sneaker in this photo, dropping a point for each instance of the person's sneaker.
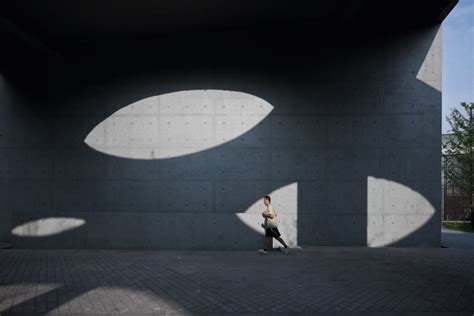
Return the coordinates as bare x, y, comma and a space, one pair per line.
284, 250
262, 251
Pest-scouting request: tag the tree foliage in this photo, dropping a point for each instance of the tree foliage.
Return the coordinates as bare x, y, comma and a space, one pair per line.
459, 152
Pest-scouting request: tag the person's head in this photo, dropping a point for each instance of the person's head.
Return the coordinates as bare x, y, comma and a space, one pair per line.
267, 200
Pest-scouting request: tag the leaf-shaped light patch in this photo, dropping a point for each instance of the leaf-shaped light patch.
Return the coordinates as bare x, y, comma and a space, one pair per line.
47, 226
177, 124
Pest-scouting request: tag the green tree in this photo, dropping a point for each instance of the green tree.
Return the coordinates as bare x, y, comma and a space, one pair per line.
459, 154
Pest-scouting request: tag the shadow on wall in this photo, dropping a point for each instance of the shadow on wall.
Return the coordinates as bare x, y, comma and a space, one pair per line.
347, 141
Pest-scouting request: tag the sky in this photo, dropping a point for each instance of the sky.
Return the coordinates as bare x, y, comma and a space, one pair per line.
458, 58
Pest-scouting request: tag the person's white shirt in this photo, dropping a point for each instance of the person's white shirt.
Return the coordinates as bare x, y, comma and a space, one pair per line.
271, 222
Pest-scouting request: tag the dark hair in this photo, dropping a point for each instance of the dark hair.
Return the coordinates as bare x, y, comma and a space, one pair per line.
267, 197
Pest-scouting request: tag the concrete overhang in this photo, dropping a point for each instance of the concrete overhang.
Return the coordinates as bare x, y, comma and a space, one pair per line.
58, 22
58, 30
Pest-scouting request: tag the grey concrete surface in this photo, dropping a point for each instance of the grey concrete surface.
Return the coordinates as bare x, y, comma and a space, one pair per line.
314, 281
457, 239
5, 245
350, 149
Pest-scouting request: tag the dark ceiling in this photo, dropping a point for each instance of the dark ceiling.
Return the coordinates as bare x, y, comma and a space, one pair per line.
40, 31
59, 21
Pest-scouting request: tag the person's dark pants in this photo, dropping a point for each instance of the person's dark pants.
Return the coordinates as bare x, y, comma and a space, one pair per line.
270, 233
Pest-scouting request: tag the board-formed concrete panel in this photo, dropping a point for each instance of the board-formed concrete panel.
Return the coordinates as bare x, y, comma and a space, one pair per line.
346, 142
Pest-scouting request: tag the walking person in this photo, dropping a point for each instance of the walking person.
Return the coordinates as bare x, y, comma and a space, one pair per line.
271, 226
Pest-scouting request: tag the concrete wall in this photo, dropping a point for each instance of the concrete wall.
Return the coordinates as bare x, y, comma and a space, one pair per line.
345, 138
5, 211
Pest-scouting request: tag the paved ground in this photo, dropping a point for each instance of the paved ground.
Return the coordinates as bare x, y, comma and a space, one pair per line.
322, 280
456, 239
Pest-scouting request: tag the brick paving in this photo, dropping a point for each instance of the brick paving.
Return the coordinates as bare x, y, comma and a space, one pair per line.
320, 280
456, 239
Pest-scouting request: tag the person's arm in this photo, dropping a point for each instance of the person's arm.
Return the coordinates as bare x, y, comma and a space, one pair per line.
271, 212
268, 214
